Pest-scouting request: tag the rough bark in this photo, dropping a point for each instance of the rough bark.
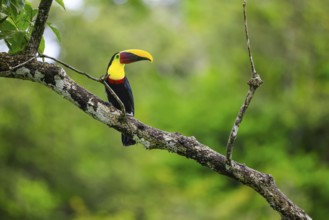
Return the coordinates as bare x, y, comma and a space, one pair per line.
56, 79
39, 27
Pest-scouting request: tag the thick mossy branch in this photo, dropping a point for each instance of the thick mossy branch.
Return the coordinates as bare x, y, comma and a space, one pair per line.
56, 79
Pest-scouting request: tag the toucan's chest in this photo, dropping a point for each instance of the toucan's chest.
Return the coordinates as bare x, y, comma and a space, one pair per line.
123, 90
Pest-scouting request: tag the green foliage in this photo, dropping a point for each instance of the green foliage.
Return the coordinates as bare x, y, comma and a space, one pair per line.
16, 24
61, 3
58, 163
55, 31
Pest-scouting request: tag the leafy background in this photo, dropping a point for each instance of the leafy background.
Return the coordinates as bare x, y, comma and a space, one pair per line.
58, 163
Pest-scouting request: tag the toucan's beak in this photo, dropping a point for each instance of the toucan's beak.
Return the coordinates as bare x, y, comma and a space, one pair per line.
133, 55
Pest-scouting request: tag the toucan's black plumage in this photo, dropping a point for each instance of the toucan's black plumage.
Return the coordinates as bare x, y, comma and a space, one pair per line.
119, 83
124, 92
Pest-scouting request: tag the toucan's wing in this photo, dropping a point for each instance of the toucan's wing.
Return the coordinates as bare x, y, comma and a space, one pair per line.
130, 108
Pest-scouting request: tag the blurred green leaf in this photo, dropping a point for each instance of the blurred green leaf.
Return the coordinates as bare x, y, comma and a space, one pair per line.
23, 22
61, 3
7, 24
21, 3
55, 31
28, 11
16, 6
7, 34
17, 42
3, 17
15, 38
8, 29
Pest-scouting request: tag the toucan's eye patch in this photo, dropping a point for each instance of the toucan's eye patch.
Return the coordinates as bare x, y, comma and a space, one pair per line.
117, 56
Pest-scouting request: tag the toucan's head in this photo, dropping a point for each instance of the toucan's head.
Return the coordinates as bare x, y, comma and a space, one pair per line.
115, 69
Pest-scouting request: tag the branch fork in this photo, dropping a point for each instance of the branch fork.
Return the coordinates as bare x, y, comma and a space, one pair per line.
255, 82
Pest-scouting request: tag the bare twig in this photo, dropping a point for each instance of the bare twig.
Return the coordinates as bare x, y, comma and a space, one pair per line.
100, 80
236, 125
253, 69
22, 64
6, 72
253, 83
72, 68
39, 27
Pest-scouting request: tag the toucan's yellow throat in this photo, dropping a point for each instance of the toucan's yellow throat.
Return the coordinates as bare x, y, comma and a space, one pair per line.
115, 69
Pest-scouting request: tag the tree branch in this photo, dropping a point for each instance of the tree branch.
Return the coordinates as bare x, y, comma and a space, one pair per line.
56, 79
71, 67
39, 26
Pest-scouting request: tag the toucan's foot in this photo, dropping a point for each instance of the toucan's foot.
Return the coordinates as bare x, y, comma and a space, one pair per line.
101, 79
123, 117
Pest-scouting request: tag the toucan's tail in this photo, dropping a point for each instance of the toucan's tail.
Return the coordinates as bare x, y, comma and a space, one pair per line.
127, 141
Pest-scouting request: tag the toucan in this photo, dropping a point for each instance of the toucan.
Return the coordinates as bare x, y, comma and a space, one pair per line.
116, 79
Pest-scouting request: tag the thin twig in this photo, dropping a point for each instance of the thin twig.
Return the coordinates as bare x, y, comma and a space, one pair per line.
70, 67
7, 72
21, 64
253, 69
236, 125
253, 83
100, 80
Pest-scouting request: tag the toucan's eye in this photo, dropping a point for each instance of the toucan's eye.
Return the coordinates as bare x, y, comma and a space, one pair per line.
117, 56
